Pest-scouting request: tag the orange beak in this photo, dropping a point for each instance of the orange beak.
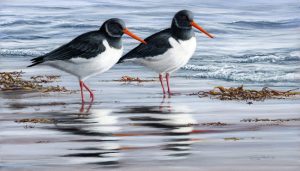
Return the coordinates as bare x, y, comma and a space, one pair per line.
201, 29
126, 31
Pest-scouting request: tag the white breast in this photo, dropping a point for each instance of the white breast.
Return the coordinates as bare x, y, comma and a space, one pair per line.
84, 68
174, 58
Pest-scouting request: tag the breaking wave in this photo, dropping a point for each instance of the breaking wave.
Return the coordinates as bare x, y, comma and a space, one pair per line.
242, 74
293, 23
271, 58
23, 52
23, 22
72, 25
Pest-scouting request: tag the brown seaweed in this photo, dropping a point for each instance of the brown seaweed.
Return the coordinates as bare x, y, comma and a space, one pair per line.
45, 78
133, 79
215, 124
239, 93
270, 120
232, 139
35, 120
12, 81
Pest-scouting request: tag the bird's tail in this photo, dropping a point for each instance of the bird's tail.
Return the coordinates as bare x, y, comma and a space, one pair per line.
121, 60
36, 61
124, 58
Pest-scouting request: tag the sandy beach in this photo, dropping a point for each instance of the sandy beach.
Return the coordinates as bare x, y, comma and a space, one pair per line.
132, 127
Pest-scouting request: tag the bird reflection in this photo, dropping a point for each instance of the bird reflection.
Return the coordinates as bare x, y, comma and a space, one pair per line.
100, 145
106, 135
175, 125
89, 106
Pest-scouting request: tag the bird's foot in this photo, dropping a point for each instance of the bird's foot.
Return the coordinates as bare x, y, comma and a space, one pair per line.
81, 110
173, 94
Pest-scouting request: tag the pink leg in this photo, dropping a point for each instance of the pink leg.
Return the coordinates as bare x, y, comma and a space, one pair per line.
162, 84
168, 83
89, 90
82, 97
81, 90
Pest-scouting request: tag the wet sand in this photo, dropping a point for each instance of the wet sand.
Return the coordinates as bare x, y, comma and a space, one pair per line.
131, 126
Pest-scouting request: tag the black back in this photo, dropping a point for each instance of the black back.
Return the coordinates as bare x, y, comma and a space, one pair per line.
87, 45
158, 43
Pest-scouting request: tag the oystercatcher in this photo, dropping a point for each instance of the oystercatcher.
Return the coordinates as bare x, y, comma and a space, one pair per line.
169, 49
90, 53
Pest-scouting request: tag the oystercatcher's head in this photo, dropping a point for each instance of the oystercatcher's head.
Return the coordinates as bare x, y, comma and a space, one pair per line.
184, 19
115, 27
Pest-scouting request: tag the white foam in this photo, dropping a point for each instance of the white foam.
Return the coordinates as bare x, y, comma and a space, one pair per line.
244, 73
295, 54
23, 52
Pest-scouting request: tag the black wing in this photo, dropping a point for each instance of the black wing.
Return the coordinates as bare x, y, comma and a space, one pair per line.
157, 44
87, 45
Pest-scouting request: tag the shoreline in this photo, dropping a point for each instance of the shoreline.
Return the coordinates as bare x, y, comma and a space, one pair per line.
132, 127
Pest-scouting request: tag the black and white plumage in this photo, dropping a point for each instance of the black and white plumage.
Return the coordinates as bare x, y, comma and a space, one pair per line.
90, 53
163, 53
169, 49
86, 55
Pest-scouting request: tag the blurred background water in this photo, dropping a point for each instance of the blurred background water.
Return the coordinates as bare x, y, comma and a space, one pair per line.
256, 41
